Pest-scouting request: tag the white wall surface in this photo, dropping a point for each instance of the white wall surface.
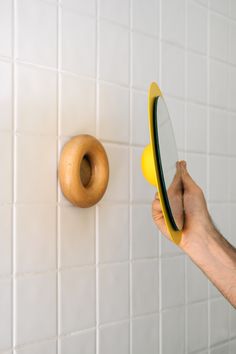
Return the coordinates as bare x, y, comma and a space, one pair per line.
101, 280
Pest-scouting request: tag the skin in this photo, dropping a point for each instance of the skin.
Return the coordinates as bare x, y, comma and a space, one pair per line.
201, 241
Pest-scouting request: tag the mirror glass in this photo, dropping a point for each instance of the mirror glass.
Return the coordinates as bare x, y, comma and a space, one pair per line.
167, 156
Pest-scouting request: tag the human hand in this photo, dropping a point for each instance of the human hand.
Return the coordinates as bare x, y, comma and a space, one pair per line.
197, 219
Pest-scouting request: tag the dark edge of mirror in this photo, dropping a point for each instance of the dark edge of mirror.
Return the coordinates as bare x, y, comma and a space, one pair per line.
159, 165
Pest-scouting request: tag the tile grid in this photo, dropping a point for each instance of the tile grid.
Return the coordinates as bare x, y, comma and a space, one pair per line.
58, 210
58, 204
207, 155
130, 179
159, 233
97, 260
14, 117
185, 156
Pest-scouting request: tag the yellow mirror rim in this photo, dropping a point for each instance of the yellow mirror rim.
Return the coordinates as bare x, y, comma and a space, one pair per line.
154, 91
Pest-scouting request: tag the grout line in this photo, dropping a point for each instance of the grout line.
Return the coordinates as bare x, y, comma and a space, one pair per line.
207, 156
97, 299
58, 230
130, 180
14, 177
159, 233
185, 156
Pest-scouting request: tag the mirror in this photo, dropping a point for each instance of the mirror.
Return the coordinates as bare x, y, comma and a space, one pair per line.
167, 157
159, 160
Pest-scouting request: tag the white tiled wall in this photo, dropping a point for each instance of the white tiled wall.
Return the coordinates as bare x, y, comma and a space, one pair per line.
101, 280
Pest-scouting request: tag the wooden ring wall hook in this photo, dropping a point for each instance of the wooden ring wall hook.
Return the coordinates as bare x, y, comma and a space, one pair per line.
83, 171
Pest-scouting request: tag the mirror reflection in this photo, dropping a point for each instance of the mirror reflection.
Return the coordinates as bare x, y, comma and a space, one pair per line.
167, 157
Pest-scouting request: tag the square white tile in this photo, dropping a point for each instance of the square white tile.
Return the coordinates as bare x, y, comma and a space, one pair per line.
232, 324
197, 78
114, 53
173, 70
145, 335
220, 214
113, 231
78, 114
36, 169
142, 191
232, 346
139, 118
77, 236
118, 185
197, 284
114, 10
36, 100
35, 308
49, 347
173, 21
196, 121
168, 247
84, 342
221, 349
220, 6
35, 231
232, 39
231, 133
6, 177
87, 7
197, 327
219, 324
114, 113
6, 28
146, 16
113, 292
196, 27
176, 109
5, 239
219, 177
219, 94
114, 339
5, 93
173, 322
78, 43
197, 168
203, 2
232, 9
144, 233
6, 314
77, 305
219, 37
173, 281
145, 60
232, 88
37, 32
145, 288
231, 237
219, 132
232, 176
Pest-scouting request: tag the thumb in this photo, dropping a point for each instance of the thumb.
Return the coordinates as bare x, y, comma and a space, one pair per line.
188, 182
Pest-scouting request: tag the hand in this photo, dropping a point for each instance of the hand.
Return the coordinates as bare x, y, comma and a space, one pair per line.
197, 220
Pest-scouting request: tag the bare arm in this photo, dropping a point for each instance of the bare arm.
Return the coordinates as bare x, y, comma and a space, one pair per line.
203, 243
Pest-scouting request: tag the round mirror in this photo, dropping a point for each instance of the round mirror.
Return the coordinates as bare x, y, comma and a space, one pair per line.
166, 159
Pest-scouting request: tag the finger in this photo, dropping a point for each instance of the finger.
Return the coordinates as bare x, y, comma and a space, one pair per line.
176, 184
156, 205
187, 180
157, 196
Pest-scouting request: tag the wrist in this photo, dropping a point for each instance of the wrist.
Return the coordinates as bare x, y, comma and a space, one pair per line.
196, 243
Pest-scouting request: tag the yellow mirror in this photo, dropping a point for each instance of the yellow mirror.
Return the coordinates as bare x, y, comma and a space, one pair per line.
159, 163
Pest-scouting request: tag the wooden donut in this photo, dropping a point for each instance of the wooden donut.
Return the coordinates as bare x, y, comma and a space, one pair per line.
83, 171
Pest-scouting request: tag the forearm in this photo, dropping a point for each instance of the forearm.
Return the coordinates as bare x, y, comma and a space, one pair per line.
217, 259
